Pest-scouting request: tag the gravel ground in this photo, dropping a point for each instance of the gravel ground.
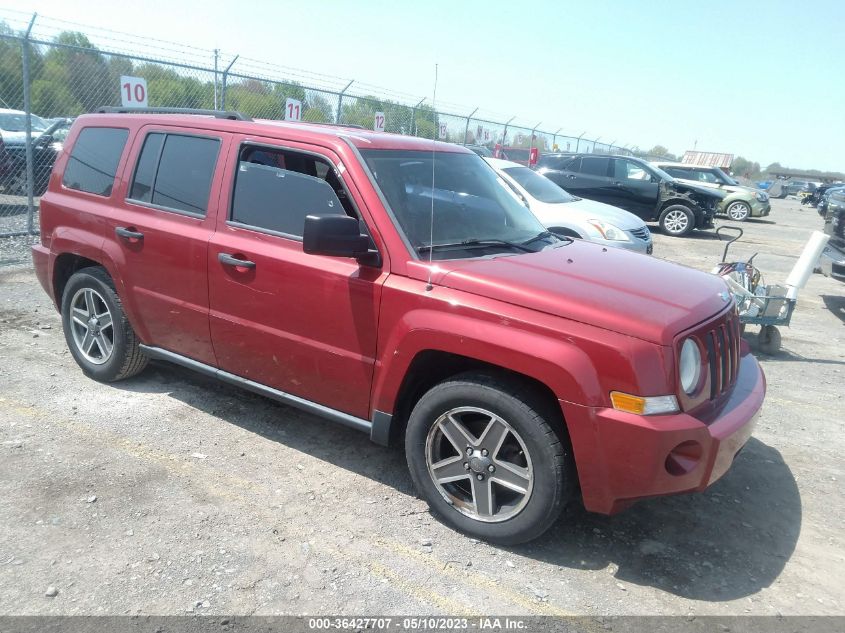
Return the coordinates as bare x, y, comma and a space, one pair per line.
172, 494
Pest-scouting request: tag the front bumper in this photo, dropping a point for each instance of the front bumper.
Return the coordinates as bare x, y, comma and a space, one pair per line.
832, 263
760, 209
623, 457
634, 244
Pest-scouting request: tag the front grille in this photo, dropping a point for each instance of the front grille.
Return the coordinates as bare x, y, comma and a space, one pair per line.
722, 344
641, 233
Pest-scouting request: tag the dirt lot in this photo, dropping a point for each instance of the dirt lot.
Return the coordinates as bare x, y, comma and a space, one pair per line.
171, 494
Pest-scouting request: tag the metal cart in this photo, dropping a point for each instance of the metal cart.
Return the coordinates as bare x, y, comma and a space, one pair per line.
758, 304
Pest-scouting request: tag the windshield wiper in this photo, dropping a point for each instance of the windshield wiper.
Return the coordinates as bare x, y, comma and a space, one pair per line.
474, 244
546, 234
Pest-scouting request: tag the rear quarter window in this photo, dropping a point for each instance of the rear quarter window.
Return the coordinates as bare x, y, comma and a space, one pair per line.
92, 165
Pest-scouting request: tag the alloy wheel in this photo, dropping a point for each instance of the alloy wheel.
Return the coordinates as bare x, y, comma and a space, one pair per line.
92, 326
676, 221
737, 211
479, 464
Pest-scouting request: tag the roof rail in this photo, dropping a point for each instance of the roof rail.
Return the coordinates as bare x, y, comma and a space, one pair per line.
220, 114
354, 126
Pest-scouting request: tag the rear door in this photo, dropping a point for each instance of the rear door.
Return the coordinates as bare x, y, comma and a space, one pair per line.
555, 168
159, 232
633, 188
591, 180
303, 324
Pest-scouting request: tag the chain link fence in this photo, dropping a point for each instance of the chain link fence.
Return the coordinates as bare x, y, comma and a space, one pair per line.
51, 71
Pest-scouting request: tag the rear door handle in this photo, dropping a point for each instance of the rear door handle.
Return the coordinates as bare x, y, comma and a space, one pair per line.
228, 260
571, 176
128, 234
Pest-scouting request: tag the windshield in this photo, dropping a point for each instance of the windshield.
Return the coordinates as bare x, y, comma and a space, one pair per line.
14, 122
660, 173
471, 204
723, 177
538, 187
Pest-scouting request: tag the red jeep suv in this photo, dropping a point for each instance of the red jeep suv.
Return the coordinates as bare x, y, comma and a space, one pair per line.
397, 286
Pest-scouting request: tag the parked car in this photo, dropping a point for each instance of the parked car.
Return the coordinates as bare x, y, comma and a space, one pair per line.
308, 264
739, 204
832, 259
6, 164
481, 150
566, 215
13, 126
522, 155
636, 186
788, 187
824, 199
46, 146
816, 196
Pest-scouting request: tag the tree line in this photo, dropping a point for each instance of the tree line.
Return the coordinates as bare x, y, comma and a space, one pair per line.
73, 76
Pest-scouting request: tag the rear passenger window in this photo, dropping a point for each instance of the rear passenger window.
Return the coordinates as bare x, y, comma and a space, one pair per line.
92, 165
573, 166
174, 172
276, 189
594, 166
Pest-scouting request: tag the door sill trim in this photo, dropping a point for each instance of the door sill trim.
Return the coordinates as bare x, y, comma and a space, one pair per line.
323, 411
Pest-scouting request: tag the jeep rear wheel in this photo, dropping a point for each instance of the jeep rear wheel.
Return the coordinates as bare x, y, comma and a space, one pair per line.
96, 329
487, 460
738, 211
677, 220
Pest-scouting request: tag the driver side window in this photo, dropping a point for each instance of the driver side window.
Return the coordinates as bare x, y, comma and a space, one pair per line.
629, 170
276, 189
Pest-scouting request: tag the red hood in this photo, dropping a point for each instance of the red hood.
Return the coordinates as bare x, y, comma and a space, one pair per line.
611, 288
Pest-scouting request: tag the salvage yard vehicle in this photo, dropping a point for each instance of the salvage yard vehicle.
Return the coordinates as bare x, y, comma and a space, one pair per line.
739, 204
522, 155
566, 215
636, 186
46, 145
320, 266
832, 260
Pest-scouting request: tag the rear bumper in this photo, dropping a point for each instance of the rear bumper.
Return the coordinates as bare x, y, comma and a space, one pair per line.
623, 457
41, 261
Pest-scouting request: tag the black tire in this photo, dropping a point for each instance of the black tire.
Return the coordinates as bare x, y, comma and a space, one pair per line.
671, 222
126, 358
533, 419
768, 340
738, 211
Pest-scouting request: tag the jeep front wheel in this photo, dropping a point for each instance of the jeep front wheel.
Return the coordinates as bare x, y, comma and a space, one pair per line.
96, 329
486, 458
677, 220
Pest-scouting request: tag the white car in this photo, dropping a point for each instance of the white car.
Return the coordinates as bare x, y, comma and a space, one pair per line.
565, 214
13, 126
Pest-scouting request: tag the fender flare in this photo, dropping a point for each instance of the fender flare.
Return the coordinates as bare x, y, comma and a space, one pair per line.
564, 368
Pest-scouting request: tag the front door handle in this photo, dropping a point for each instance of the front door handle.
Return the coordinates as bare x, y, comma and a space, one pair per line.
128, 234
571, 176
228, 260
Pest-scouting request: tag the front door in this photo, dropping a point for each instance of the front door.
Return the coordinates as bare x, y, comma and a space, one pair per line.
633, 188
303, 324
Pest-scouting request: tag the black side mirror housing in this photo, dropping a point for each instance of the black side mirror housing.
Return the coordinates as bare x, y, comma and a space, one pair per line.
337, 236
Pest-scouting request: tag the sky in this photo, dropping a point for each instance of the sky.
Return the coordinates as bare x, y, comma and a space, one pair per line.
758, 79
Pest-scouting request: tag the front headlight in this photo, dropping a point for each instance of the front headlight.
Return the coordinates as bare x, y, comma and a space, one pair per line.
608, 231
689, 366
762, 196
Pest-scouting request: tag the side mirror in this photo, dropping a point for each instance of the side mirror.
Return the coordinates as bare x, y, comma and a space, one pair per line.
337, 236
